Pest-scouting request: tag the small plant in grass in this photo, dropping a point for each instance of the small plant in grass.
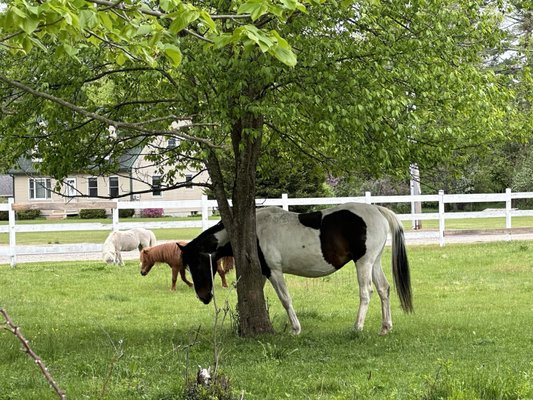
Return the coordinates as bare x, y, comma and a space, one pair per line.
208, 387
275, 352
212, 383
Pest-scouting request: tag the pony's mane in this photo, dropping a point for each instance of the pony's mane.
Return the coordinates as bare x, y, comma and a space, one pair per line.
161, 252
109, 245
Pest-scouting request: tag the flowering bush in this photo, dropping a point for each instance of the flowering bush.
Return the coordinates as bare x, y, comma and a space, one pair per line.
152, 213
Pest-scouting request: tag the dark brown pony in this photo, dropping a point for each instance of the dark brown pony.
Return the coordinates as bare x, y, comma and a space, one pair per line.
170, 253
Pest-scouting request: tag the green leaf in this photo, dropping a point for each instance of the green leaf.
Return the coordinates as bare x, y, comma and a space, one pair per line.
173, 53
286, 56
106, 21
183, 19
121, 58
223, 40
87, 19
29, 24
143, 30
208, 21
256, 8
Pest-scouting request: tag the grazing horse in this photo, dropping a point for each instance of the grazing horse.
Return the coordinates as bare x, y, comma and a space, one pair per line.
170, 253
313, 245
136, 238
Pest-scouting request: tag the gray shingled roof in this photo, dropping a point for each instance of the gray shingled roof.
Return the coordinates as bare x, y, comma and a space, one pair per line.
6, 185
27, 166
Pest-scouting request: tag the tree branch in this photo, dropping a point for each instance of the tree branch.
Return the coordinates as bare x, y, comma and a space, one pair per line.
26, 344
105, 120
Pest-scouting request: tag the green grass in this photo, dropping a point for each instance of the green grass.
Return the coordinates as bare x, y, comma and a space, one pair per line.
64, 237
470, 337
477, 223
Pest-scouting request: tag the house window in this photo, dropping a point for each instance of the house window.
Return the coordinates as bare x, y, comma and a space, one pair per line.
93, 187
156, 185
113, 186
188, 178
172, 143
70, 187
40, 188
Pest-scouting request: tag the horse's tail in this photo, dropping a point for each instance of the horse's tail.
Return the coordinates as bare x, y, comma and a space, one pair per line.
153, 240
400, 263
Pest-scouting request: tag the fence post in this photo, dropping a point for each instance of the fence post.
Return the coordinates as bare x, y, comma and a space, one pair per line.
442, 225
285, 201
114, 213
508, 208
12, 234
368, 198
205, 213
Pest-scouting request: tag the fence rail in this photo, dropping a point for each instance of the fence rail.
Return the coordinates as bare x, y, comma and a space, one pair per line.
205, 206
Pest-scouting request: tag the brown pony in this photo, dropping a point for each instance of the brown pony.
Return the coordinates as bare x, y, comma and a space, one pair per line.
170, 253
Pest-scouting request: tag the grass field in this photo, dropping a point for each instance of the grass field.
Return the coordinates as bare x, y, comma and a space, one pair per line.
109, 333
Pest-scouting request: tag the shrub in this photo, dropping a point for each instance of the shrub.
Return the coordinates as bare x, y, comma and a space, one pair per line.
92, 213
152, 213
126, 213
4, 215
28, 214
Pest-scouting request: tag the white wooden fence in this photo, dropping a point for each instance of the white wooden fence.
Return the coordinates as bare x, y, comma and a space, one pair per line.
204, 206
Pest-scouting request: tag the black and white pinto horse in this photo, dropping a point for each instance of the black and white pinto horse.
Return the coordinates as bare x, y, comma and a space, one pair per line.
313, 245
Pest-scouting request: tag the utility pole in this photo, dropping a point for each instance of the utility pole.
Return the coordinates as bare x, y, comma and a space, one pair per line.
416, 206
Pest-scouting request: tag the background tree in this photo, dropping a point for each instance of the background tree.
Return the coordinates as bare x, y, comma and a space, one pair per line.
377, 86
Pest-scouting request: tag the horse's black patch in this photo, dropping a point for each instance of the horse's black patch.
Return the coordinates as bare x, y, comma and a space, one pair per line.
342, 237
265, 269
311, 220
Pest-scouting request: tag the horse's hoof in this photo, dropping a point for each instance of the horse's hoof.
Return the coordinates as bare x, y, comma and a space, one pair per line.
385, 330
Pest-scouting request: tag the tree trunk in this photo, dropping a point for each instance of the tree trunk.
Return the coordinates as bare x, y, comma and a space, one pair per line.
240, 223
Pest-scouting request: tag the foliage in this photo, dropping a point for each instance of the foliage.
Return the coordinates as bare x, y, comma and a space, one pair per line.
126, 212
28, 214
152, 212
218, 388
460, 343
130, 32
92, 213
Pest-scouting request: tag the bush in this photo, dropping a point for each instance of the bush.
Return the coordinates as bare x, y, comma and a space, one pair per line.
28, 214
126, 213
152, 213
4, 215
92, 213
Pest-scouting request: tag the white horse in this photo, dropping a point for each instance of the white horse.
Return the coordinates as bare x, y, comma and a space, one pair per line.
137, 238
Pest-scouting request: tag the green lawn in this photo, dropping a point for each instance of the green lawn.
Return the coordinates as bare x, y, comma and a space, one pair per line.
107, 332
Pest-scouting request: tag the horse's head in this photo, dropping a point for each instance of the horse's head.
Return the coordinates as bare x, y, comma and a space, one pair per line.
202, 266
109, 257
146, 263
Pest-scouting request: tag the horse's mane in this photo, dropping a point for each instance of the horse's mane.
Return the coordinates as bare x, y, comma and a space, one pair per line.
162, 252
206, 238
109, 244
